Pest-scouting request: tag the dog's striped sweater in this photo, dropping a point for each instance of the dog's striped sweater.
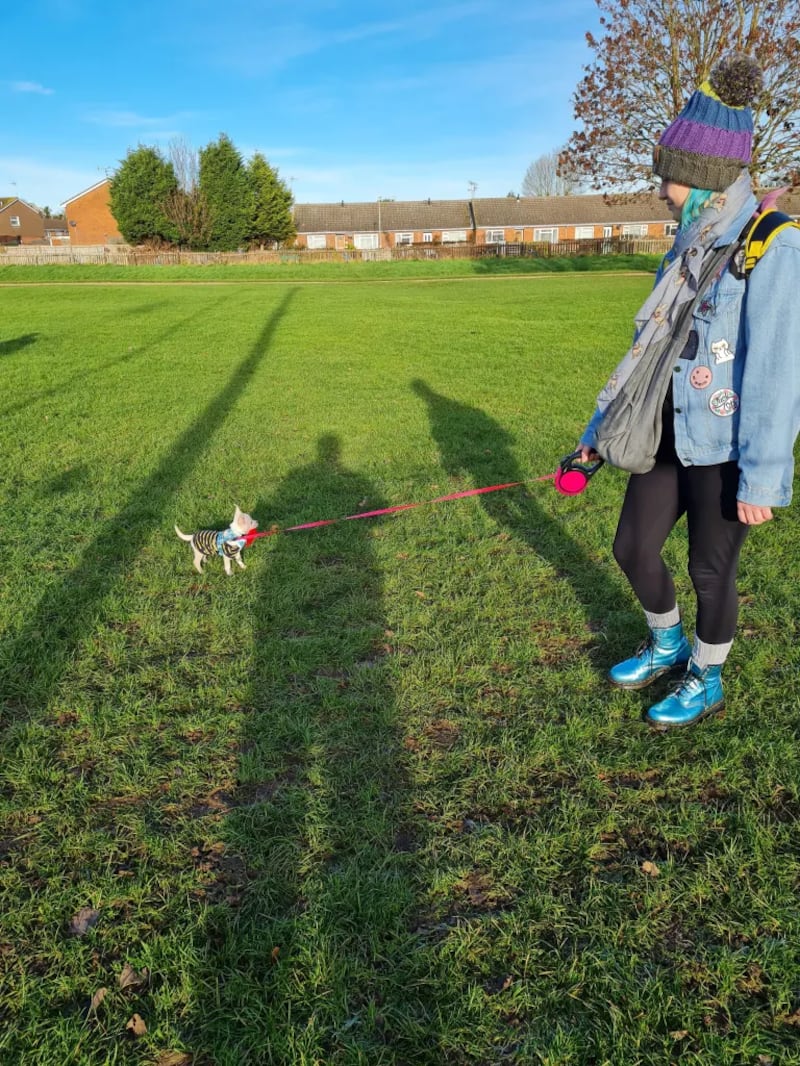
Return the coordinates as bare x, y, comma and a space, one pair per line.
218, 542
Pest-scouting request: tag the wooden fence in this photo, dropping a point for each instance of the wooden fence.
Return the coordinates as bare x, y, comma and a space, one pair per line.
32, 255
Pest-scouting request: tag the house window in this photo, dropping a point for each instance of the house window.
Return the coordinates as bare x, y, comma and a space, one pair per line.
365, 241
638, 229
454, 236
550, 235
404, 238
315, 240
427, 238
14, 220
670, 229
495, 236
584, 233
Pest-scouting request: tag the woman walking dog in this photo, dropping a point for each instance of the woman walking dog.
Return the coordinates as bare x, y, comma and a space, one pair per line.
704, 409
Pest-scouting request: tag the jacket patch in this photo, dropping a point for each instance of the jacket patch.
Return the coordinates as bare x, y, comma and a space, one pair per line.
722, 352
723, 402
700, 377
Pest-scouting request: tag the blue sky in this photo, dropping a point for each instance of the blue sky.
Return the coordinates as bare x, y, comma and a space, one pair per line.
350, 101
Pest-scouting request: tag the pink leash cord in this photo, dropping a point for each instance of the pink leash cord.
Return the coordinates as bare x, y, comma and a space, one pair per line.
561, 476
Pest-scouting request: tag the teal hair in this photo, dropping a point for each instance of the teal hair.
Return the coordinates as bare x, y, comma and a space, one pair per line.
694, 204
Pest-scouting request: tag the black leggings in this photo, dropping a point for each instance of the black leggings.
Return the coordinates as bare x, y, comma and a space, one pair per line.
653, 504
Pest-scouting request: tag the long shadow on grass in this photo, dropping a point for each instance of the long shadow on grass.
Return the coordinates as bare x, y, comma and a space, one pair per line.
300, 939
16, 344
33, 657
471, 442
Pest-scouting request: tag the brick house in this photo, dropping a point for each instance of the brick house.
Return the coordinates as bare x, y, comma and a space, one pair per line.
492, 221
20, 223
383, 224
89, 217
550, 219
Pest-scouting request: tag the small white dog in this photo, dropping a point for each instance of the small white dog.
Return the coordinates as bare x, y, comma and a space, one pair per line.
226, 542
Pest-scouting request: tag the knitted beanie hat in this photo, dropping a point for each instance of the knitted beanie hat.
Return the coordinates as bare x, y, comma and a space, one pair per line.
711, 140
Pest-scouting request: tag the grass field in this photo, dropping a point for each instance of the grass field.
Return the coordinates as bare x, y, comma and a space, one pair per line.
369, 801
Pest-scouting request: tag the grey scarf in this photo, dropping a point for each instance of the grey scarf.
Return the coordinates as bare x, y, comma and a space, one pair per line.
631, 402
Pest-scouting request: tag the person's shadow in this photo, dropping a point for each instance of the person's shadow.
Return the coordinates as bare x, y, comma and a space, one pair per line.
314, 834
473, 444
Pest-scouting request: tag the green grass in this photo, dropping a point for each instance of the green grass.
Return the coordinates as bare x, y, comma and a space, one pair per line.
354, 270
369, 801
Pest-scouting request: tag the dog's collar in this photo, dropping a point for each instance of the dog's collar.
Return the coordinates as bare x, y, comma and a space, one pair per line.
224, 537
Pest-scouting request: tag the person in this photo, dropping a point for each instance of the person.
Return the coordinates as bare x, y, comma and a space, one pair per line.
728, 346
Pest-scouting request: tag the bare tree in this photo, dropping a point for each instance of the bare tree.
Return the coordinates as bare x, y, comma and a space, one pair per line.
186, 206
652, 54
547, 177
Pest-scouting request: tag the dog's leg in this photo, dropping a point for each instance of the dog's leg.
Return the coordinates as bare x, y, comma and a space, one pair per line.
227, 563
198, 560
240, 560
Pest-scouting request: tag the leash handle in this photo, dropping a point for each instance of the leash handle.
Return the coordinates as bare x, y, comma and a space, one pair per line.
573, 476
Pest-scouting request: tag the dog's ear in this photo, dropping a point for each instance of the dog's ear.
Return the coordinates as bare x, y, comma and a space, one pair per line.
236, 512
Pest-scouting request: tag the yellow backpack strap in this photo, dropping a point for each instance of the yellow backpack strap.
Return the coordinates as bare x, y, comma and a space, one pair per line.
763, 231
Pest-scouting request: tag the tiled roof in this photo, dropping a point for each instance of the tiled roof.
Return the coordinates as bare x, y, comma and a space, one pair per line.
569, 210
507, 211
395, 216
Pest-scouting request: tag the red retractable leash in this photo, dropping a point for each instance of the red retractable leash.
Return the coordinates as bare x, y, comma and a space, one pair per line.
573, 476
570, 479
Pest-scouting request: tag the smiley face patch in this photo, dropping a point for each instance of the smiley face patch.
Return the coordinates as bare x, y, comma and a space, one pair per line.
723, 402
700, 377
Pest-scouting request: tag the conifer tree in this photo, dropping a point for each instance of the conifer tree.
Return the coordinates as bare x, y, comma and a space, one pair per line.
138, 192
272, 217
225, 186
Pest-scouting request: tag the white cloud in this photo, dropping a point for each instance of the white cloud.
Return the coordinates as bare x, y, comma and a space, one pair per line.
30, 87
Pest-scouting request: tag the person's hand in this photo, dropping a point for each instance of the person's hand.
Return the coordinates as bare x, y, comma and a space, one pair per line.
751, 515
588, 455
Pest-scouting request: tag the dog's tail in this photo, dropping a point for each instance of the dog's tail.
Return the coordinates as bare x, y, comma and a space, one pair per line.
183, 536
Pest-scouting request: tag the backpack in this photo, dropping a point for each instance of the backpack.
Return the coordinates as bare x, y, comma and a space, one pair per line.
765, 227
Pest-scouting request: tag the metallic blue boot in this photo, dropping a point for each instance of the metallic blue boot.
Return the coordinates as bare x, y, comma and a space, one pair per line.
662, 650
697, 695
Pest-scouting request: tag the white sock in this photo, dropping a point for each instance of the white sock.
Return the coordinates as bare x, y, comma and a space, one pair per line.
663, 621
704, 655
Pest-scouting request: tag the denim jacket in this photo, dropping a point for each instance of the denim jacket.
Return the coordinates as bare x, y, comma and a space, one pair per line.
736, 387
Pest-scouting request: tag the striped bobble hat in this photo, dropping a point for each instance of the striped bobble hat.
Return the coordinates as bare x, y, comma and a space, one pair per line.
711, 140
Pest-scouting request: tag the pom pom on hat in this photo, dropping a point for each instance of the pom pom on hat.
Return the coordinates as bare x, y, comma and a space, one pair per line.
737, 80
711, 141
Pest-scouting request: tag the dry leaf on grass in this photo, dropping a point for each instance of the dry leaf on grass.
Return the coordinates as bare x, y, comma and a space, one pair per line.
98, 998
83, 921
174, 1058
136, 1025
130, 979
650, 868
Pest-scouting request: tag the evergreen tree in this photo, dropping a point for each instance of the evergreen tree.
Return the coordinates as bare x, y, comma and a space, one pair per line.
272, 217
227, 192
139, 190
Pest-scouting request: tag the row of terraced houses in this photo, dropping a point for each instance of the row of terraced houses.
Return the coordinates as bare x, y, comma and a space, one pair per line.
501, 221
